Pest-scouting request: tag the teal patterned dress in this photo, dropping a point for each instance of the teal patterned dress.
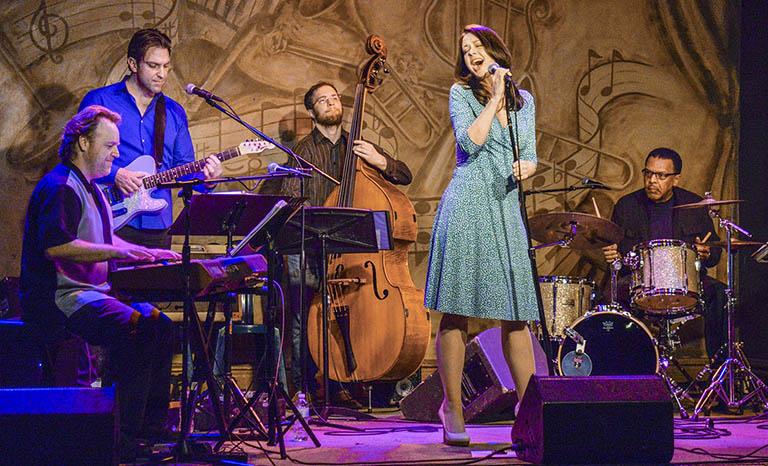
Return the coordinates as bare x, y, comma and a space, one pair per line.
478, 261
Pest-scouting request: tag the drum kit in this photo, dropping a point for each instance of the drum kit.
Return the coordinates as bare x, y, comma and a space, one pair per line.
665, 287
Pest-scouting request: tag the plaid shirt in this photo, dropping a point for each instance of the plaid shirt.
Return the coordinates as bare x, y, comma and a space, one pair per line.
329, 157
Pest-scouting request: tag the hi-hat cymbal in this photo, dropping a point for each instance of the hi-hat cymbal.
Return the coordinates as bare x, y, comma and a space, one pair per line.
590, 231
735, 244
706, 203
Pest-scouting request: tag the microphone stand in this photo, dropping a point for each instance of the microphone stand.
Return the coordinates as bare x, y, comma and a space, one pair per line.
512, 116
301, 162
564, 190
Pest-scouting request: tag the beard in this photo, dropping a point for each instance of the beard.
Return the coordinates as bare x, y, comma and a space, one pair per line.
329, 119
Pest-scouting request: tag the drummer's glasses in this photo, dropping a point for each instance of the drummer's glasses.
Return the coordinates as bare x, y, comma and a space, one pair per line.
648, 174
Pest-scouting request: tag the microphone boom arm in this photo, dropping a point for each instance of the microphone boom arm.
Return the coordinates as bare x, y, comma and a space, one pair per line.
299, 159
574, 187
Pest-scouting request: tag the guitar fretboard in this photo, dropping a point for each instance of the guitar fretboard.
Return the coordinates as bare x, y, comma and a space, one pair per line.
172, 174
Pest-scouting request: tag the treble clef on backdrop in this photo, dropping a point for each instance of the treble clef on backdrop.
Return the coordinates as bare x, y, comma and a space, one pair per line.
49, 32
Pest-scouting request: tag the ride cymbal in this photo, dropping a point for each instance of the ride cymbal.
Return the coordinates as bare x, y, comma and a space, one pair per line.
587, 231
707, 202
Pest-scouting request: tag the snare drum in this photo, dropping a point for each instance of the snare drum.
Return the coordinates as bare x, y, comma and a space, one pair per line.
615, 344
666, 281
565, 299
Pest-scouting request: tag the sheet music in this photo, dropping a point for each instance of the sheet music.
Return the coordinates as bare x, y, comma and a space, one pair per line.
761, 255
279, 205
381, 224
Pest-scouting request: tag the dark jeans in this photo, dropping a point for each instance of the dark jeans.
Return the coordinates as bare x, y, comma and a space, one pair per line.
158, 239
140, 345
713, 310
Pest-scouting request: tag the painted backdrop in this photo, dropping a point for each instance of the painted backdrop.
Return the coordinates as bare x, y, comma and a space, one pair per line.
612, 79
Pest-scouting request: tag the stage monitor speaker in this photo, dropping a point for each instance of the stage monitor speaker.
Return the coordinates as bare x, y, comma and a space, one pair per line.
487, 390
70, 426
605, 419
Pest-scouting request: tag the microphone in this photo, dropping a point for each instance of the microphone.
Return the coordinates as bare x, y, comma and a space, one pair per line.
518, 99
594, 184
494, 67
275, 167
191, 89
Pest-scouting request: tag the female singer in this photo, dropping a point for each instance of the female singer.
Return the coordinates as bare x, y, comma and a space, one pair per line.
478, 264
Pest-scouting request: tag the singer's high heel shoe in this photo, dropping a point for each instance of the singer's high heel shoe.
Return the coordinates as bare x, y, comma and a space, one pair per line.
456, 439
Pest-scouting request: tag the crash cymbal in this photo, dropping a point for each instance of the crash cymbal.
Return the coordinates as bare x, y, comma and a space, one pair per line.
707, 202
735, 244
590, 231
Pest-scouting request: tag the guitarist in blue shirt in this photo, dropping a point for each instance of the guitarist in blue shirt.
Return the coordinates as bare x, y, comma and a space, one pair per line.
153, 124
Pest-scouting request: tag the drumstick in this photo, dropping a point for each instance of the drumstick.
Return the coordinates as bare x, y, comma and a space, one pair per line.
597, 210
709, 233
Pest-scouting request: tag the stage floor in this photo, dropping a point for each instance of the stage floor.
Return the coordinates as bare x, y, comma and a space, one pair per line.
392, 440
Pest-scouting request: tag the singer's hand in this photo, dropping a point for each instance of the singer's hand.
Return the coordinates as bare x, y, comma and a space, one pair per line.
212, 168
128, 181
366, 151
497, 89
611, 253
523, 169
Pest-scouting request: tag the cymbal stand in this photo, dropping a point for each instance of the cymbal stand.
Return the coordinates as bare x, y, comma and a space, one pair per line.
563, 243
723, 382
541, 331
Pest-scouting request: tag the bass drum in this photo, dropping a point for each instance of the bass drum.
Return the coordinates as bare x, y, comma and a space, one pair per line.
615, 344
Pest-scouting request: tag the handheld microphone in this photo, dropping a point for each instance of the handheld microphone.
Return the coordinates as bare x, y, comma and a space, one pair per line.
191, 89
494, 67
275, 167
518, 99
594, 184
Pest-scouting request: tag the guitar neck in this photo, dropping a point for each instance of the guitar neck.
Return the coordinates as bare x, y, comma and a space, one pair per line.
174, 173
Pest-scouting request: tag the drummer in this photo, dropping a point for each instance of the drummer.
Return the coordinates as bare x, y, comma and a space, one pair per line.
647, 214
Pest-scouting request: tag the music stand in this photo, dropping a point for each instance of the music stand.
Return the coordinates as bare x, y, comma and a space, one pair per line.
211, 212
232, 214
336, 230
262, 237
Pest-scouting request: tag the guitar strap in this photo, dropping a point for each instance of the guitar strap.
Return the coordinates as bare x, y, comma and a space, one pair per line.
157, 143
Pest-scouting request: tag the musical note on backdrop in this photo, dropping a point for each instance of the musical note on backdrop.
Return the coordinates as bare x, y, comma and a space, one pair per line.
607, 90
591, 55
49, 32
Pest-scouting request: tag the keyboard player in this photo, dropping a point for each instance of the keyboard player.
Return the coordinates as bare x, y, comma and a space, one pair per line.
68, 246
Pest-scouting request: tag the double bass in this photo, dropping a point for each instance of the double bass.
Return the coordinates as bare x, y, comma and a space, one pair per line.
378, 326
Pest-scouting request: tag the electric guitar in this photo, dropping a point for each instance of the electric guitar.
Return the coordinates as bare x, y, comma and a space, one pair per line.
125, 208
